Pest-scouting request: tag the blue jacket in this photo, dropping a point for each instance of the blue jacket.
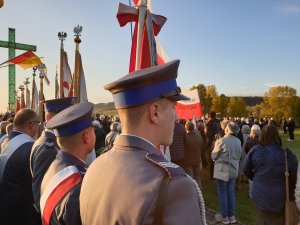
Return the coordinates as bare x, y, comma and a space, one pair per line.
266, 167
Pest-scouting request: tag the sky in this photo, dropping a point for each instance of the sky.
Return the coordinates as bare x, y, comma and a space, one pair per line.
241, 47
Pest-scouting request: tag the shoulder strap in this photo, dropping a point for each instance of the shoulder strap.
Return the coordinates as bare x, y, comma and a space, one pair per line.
161, 201
286, 177
56, 189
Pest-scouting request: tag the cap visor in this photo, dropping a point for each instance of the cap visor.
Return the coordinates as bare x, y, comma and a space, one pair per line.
179, 97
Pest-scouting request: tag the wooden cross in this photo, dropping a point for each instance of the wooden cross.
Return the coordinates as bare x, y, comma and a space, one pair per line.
12, 46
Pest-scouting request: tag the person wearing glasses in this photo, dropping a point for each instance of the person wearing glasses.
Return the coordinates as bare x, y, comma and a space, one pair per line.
45, 148
16, 200
61, 184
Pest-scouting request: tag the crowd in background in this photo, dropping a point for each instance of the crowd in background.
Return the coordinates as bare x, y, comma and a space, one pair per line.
251, 146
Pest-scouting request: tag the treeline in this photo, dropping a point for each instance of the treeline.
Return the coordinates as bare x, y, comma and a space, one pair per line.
279, 102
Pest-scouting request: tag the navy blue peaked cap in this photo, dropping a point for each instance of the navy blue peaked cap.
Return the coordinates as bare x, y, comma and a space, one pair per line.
59, 104
72, 120
145, 85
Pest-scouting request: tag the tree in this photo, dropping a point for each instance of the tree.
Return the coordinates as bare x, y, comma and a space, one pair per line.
219, 104
278, 102
237, 107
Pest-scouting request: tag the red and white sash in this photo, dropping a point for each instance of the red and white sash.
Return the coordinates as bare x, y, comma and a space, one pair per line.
56, 189
10, 148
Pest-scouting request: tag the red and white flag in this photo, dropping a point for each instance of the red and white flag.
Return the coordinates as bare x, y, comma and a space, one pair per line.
67, 75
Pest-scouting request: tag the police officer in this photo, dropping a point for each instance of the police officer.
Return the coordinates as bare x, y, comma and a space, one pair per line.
45, 148
61, 184
133, 183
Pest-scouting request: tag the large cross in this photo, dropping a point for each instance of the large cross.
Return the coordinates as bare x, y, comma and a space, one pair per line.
12, 46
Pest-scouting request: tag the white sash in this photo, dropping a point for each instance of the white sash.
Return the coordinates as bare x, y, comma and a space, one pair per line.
2, 138
10, 148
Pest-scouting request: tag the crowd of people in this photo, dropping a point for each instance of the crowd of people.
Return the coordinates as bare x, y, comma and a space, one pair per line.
111, 170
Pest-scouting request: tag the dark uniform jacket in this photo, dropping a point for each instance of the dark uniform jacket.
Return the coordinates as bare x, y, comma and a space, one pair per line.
122, 186
42, 155
67, 210
16, 198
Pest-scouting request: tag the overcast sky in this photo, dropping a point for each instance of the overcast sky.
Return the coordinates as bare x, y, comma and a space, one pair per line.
242, 47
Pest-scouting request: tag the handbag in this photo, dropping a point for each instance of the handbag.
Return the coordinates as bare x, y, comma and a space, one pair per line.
221, 170
291, 211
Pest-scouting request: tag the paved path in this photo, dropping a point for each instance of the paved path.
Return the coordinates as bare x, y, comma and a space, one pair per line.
210, 218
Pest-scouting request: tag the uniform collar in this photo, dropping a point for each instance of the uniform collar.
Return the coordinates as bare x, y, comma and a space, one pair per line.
133, 141
64, 156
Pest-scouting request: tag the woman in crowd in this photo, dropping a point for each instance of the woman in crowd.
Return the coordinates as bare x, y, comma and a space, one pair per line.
254, 140
246, 135
265, 165
193, 148
227, 150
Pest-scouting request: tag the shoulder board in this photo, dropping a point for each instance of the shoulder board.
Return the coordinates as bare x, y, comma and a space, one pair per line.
171, 168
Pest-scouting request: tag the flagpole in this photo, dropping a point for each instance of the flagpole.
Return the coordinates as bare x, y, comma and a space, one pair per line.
33, 90
42, 74
142, 6
61, 36
130, 23
77, 40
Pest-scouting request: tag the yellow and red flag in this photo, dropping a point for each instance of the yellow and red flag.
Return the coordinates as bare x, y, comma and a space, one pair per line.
26, 60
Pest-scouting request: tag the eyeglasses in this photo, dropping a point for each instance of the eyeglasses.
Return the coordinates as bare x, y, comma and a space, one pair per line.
35, 121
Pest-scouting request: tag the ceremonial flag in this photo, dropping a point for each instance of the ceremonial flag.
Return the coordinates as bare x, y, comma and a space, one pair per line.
43, 70
56, 85
28, 102
17, 105
82, 85
25, 60
191, 108
23, 105
67, 75
35, 96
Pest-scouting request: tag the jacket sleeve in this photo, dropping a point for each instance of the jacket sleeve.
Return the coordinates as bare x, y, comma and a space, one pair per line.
297, 189
248, 166
217, 149
182, 206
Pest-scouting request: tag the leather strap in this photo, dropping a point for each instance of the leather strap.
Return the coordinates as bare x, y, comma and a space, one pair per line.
161, 200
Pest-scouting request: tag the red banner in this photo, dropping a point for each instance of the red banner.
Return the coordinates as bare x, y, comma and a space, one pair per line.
187, 111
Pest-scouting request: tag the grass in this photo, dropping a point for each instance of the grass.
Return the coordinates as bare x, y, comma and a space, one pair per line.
245, 209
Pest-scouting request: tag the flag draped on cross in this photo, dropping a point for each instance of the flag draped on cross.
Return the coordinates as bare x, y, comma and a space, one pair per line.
143, 48
26, 60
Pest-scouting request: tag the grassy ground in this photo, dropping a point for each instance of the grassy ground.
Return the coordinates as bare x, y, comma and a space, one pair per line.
245, 209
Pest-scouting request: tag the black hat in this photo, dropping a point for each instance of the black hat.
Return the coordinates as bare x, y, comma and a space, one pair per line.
146, 85
72, 120
59, 104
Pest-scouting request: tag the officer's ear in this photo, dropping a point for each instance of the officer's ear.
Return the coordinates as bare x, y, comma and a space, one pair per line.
154, 112
86, 135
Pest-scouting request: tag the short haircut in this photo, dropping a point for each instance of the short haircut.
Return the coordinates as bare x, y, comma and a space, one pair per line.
212, 114
270, 136
189, 126
114, 126
24, 116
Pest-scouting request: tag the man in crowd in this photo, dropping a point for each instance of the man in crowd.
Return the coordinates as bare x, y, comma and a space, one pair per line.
16, 198
61, 185
212, 128
45, 148
153, 190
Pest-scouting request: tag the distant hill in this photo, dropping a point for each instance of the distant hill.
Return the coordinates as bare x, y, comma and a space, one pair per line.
109, 108
105, 108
